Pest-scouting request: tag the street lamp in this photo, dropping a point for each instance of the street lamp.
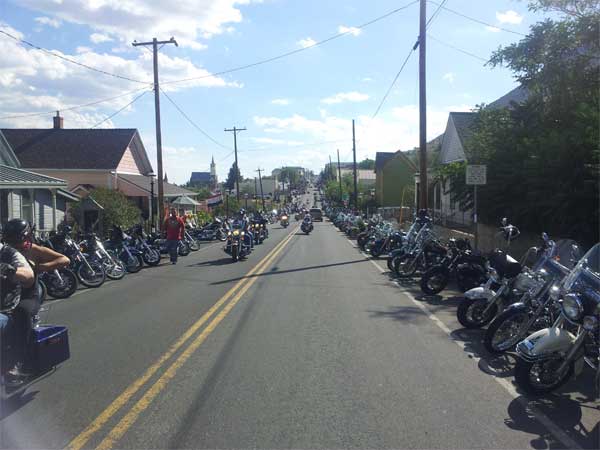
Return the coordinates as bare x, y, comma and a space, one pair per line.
151, 202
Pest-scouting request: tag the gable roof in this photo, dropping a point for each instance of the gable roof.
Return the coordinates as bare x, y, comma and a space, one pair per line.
74, 148
518, 95
201, 177
381, 158
401, 155
7, 156
463, 122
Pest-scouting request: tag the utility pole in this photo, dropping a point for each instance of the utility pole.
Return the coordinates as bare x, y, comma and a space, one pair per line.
330, 168
423, 108
159, 163
261, 188
355, 174
340, 177
237, 168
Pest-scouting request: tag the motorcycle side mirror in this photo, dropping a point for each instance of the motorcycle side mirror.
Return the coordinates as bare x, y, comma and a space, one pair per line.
504, 221
545, 237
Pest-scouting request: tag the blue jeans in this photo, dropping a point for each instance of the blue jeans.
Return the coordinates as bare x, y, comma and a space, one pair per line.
3, 339
173, 247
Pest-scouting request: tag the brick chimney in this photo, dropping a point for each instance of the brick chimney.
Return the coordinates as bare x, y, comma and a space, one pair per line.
58, 121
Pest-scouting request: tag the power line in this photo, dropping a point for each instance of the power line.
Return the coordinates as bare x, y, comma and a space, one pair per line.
72, 61
71, 108
473, 19
121, 109
194, 124
293, 52
431, 19
457, 49
313, 144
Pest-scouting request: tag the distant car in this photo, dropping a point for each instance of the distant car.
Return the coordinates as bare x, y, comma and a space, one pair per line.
316, 214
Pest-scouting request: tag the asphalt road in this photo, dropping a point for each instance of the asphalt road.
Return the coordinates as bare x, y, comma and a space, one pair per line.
309, 345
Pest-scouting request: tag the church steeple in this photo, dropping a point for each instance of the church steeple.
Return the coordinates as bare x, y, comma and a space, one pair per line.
213, 167
165, 179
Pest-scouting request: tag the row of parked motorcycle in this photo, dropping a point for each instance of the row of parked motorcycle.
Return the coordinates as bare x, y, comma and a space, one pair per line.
545, 308
93, 260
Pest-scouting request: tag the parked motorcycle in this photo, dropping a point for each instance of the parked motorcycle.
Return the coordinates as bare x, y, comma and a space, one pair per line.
113, 266
129, 255
481, 304
537, 308
89, 271
60, 283
139, 240
550, 357
459, 263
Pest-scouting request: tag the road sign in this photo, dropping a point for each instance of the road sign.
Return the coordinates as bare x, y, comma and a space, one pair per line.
476, 175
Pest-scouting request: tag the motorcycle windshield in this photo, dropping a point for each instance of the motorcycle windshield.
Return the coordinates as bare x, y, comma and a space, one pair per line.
587, 271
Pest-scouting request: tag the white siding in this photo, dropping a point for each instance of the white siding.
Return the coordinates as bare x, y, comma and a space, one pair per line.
14, 205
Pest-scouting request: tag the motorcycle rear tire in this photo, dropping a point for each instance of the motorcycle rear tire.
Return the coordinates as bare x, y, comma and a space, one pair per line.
69, 287
464, 313
84, 275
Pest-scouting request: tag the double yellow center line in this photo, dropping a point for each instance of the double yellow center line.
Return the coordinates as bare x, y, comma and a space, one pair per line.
230, 299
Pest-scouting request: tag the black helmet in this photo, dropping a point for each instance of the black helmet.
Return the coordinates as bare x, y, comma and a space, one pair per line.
242, 212
15, 231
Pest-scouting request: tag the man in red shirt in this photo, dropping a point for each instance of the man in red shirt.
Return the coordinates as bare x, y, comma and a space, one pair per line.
174, 227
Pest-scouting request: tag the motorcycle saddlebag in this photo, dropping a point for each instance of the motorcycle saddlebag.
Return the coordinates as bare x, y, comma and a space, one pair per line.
50, 347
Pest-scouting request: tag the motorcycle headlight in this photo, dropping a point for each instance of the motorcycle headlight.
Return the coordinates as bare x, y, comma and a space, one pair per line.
243, 233
572, 307
229, 233
236, 232
554, 293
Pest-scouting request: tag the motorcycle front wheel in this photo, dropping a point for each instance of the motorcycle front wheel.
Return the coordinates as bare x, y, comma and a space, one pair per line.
405, 266
134, 264
434, 280
194, 245
92, 276
234, 253
541, 377
470, 312
151, 257
65, 289
114, 268
503, 332
183, 249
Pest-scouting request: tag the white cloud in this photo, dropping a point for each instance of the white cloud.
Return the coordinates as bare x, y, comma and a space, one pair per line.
189, 20
345, 97
351, 30
492, 29
305, 43
394, 130
367, 80
280, 101
449, 77
48, 21
83, 49
510, 16
98, 38
32, 81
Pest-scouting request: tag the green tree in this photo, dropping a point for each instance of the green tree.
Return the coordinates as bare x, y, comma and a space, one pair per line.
289, 176
231, 177
543, 155
367, 164
118, 209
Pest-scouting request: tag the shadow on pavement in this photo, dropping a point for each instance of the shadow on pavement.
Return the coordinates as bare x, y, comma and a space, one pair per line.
559, 409
281, 272
215, 262
398, 313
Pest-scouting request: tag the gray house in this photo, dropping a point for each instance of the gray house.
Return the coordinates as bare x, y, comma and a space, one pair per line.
39, 199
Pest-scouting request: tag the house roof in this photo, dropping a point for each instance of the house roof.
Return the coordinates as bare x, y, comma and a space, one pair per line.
143, 182
184, 200
402, 155
463, 122
14, 178
381, 158
517, 95
72, 148
201, 177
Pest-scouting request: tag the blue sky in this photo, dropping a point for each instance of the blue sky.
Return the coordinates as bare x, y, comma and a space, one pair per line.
297, 110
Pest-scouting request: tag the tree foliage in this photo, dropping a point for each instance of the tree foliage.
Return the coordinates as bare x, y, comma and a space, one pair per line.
118, 209
542, 155
231, 177
367, 163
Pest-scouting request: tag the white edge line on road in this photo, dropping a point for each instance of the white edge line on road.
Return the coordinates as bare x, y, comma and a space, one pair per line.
508, 386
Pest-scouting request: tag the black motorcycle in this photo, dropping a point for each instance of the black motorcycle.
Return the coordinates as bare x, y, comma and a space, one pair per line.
113, 266
128, 254
459, 263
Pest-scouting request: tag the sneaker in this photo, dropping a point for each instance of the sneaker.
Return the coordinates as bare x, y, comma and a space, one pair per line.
173, 262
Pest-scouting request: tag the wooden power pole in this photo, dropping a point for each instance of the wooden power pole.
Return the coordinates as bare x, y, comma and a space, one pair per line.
423, 108
159, 162
262, 196
237, 168
355, 172
340, 177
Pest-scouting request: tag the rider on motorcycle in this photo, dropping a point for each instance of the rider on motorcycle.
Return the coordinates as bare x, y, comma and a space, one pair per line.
241, 222
32, 259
